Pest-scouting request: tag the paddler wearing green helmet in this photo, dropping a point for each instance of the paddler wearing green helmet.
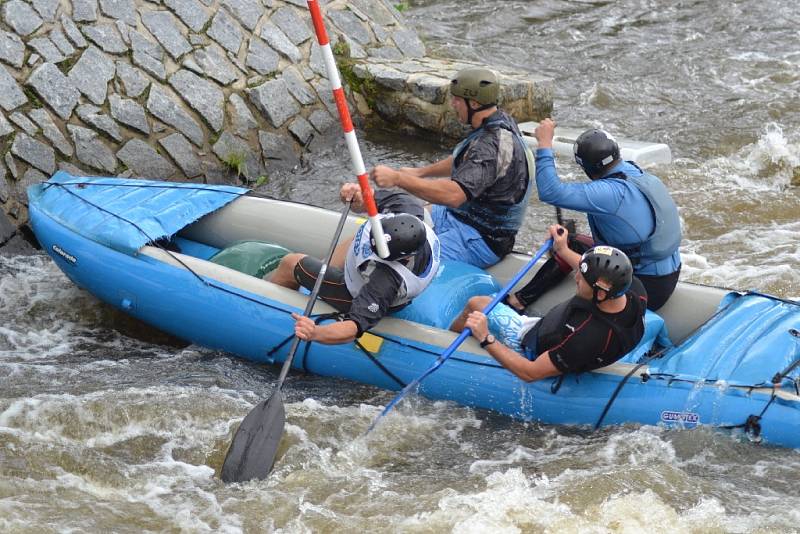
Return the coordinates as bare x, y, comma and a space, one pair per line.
479, 193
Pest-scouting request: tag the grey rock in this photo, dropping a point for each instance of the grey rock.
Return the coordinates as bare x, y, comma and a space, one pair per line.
321, 120
307, 73
385, 52
17, 246
278, 152
4, 191
106, 37
61, 42
408, 42
12, 49
215, 65
191, 12
34, 152
278, 40
290, 23
242, 120
350, 25
323, 89
356, 50
133, 80
165, 29
33, 59
51, 131
5, 127
11, 95
31, 177
73, 32
374, 11
235, 60
11, 164
21, 17
124, 10
298, 87
91, 74
226, 31
196, 39
71, 169
204, 96
273, 99
100, 121
23, 123
229, 147
246, 11
387, 77
46, 49
46, 9
145, 161
316, 61
167, 110
380, 33
302, 130
84, 10
260, 57
90, 150
148, 55
180, 150
429, 88
124, 31
191, 64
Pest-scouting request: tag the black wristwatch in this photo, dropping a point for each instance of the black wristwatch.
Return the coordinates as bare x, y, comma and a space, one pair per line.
488, 340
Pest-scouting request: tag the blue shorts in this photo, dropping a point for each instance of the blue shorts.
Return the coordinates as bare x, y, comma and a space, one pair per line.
509, 327
460, 241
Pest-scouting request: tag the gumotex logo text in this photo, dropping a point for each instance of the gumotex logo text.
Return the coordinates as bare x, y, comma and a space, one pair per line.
686, 418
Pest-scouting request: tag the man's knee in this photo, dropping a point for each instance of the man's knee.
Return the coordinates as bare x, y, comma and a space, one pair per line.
478, 303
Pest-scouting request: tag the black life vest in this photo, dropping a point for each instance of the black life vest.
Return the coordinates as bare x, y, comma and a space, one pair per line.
553, 329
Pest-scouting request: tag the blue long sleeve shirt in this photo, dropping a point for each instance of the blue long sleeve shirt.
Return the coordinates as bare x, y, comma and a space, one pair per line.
617, 208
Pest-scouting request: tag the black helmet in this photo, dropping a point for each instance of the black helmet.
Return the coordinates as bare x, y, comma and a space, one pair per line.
594, 149
476, 83
405, 235
610, 264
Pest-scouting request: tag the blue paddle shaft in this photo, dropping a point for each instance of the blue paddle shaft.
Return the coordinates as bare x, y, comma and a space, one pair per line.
466, 332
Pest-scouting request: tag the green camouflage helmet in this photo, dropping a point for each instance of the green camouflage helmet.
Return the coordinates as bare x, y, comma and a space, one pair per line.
476, 83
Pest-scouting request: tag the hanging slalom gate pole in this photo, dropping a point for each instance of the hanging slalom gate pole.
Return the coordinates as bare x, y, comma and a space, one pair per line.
347, 127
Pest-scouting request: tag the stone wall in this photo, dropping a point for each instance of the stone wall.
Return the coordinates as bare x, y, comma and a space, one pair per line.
220, 91
214, 90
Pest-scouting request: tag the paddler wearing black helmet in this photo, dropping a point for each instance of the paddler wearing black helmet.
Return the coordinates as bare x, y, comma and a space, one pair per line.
478, 194
600, 324
626, 207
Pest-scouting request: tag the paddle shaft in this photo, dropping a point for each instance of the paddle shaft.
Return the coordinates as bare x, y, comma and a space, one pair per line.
312, 299
465, 333
347, 127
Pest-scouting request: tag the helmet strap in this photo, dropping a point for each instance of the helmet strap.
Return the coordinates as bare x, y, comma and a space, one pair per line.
471, 112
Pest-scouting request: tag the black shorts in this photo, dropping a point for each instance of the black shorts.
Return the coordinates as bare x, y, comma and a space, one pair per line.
333, 289
659, 288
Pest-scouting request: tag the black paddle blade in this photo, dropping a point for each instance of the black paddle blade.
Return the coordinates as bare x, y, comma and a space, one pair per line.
252, 451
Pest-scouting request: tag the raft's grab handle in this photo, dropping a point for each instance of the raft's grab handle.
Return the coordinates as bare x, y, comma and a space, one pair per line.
780, 376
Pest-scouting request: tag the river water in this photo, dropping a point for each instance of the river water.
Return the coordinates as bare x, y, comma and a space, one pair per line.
108, 426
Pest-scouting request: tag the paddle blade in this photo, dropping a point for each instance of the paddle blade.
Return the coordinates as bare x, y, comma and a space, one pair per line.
252, 451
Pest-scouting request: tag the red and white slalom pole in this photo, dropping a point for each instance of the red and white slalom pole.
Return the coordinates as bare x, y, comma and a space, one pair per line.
347, 126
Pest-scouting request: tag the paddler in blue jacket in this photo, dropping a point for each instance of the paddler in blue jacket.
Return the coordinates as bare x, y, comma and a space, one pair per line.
478, 195
627, 208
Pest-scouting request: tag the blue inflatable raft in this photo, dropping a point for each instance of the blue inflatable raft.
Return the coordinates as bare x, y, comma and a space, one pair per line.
154, 249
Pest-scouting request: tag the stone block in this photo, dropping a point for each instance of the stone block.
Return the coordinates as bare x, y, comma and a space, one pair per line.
11, 95
165, 28
273, 99
107, 37
144, 161
12, 49
246, 11
215, 65
167, 110
21, 17
278, 40
55, 89
124, 10
91, 74
51, 131
292, 24
204, 96
90, 150
180, 150
226, 31
129, 113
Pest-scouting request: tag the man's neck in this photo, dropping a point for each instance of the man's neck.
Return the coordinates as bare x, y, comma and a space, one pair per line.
479, 116
613, 306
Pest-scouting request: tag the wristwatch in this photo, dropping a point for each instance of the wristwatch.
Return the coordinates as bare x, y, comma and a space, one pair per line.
488, 340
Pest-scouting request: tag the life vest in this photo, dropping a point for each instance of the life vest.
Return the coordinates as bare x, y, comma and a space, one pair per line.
493, 218
360, 252
666, 236
552, 329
